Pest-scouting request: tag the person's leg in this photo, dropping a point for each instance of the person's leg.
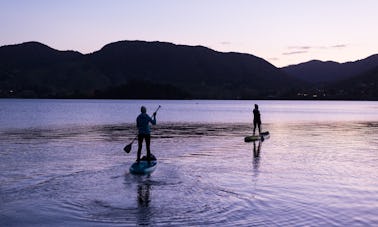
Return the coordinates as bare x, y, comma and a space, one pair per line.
148, 141
254, 127
140, 141
259, 128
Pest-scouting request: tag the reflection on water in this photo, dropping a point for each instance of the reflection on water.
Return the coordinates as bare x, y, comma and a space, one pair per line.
144, 194
144, 199
307, 174
202, 176
256, 150
19, 113
256, 157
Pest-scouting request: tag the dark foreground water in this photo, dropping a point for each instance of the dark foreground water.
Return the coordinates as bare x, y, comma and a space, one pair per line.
62, 164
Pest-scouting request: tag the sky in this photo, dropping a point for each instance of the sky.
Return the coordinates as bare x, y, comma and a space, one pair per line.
283, 32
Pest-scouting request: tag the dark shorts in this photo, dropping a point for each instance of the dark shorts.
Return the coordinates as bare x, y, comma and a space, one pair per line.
147, 137
256, 122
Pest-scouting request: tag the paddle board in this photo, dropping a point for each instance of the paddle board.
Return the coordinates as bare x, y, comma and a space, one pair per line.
143, 167
263, 136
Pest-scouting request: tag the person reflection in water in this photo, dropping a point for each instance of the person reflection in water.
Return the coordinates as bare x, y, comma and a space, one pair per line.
144, 194
256, 119
144, 214
144, 133
256, 158
256, 152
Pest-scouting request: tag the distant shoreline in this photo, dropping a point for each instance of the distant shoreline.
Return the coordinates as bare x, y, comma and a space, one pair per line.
346, 100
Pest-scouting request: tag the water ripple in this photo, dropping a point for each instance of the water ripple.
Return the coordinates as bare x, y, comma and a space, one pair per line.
308, 174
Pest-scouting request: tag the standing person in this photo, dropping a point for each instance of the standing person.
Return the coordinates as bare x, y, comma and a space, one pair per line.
256, 119
143, 124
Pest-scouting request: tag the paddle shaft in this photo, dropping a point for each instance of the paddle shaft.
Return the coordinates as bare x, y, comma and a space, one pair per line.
157, 109
132, 141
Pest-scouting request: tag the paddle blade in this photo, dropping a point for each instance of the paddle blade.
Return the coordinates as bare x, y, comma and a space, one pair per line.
127, 148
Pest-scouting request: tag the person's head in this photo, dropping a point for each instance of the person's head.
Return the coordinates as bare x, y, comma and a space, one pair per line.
256, 106
143, 109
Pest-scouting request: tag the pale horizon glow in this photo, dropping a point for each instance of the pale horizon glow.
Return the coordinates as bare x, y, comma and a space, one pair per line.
281, 32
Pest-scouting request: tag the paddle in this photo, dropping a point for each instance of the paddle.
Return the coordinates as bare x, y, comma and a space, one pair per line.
127, 148
157, 109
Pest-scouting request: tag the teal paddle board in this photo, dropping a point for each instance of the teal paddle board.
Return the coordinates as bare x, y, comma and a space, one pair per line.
143, 167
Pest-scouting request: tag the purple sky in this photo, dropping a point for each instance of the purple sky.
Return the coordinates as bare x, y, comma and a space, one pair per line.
281, 31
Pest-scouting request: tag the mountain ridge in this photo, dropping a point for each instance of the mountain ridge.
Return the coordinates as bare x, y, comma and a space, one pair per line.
324, 72
33, 69
143, 69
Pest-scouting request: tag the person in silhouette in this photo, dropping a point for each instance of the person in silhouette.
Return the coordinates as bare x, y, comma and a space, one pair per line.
256, 119
144, 133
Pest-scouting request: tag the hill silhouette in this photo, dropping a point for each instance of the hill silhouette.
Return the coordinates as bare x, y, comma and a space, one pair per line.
35, 70
338, 81
361, 87
319, 72
160, 70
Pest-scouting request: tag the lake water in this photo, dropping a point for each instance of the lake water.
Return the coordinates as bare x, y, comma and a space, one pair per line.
62, 164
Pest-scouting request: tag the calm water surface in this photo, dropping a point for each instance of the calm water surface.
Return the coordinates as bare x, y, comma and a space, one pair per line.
62, 164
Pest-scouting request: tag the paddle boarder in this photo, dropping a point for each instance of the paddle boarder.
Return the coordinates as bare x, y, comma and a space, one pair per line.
144, 132
256, 119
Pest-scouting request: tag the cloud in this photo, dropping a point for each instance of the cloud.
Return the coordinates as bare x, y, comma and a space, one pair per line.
339, 46
225, 43
300, 47
295, 52
306, 49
